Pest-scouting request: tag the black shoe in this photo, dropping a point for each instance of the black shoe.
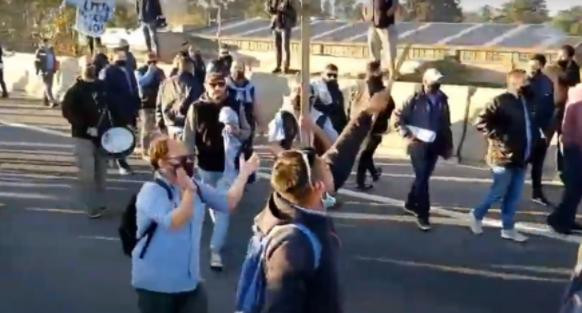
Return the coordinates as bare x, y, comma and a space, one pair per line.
377, 175
423, 223
559, 229
410, 209
576, 228
277, 70
541, 199
364, 187
287, 71
5, 95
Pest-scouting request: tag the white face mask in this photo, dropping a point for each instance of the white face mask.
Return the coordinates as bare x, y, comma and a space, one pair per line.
328, 201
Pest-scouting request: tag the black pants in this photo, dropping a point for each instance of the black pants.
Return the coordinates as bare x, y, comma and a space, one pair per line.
424, 159
537, 166
93, 42
283, 44
183, 302
565, 214
366, 162
2, 83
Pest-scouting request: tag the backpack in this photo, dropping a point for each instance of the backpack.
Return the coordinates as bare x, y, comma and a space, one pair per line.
128, 227
250, 295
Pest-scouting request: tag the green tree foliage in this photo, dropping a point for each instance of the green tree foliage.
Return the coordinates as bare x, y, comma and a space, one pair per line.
434, 10
570, 21
525, 11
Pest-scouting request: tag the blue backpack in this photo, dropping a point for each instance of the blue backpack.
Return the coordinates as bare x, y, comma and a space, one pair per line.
250, 294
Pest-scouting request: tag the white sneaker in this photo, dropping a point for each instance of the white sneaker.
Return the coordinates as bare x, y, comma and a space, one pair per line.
475, 224
512, 234
216, 261
124, 172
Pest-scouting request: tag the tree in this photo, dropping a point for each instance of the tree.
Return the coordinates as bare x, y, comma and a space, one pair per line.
526, 11
570, 21
327, 9
486, 13
434, 10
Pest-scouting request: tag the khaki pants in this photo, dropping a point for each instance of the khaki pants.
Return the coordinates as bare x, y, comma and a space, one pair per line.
147, 128
92, 175
383, 39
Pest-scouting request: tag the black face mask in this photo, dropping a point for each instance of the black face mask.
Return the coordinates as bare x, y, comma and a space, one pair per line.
563, 64
525, 91
375, 84
122, 63
332, 84
434, 88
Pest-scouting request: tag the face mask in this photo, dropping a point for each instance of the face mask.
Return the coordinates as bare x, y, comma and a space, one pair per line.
328, 201
121, 63
434, 87
524, 90
332, 83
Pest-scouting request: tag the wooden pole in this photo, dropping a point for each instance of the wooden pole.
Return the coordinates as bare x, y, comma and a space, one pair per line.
305, 71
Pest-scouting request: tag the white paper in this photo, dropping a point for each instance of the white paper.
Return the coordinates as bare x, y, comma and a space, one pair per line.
422, 134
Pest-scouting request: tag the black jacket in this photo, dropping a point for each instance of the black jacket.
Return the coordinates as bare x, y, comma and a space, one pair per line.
542, 99
283, 14
336, 110
122, 94
83, 105
148, 10
293, 285
572, 73
503, 122
380, 18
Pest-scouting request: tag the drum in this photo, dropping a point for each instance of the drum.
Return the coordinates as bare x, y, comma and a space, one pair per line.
118, 142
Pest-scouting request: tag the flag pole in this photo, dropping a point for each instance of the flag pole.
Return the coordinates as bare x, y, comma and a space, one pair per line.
305, 53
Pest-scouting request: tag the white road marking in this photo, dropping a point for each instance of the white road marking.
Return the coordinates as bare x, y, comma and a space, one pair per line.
34, 144
104, 238
465, 270
460, 34
62, 211
329, 32
36, 128
506, 35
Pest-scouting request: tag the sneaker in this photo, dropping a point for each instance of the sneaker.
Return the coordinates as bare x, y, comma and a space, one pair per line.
559, 229
512, 234
95, 214
124, 171
277, 70
376, 177
541, 200
423, 223
216, 262
409, 209
475, 224
364, 187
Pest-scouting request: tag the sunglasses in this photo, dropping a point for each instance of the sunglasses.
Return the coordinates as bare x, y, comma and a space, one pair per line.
308, 157
332, 75
217, 84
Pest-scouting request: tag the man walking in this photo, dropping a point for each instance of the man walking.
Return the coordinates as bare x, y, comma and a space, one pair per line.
203, 136
425, 122
83, 105
2, 83
199, 65
568, 64
562, 220
46, 65
149, 77
177, 95
283, 19
149, 13
508, 125
329, 99
373, 85
382, 34
542, 99
122, 97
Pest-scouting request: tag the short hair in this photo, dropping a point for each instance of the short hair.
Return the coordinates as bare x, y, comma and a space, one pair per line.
331, 67
159, 150
290, 176
516, 72
540, 58
373, 66
570, 51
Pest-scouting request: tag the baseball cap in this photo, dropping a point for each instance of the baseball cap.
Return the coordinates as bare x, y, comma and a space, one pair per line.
432, 76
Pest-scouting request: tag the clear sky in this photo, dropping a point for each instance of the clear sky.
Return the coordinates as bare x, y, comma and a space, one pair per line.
553, 5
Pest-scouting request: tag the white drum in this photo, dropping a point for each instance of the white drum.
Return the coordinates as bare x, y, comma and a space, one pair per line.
118, 142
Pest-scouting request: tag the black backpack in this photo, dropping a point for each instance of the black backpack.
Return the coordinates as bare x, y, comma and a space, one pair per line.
128, 227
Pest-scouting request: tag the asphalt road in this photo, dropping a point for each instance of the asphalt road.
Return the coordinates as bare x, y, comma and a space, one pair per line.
54, 260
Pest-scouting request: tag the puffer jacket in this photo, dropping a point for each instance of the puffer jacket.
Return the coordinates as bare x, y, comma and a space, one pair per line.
504, 124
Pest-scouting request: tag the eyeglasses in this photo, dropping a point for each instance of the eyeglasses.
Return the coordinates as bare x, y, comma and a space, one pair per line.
217, 84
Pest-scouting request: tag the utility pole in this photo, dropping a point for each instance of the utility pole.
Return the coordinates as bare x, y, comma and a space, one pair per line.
305, 72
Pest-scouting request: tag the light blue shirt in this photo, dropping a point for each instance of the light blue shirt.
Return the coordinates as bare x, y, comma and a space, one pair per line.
172, 261
527, 130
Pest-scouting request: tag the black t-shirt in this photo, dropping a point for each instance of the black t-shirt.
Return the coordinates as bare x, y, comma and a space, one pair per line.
381, 19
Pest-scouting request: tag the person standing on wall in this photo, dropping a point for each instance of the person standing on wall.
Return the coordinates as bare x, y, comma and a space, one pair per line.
2, 83
283, 19
511, 132
150, 14
568, 64
149, 78
373, 85
542, 99
382, 34
46, 65
425, 122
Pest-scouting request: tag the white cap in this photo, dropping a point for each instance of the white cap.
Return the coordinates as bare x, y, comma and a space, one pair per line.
431, 76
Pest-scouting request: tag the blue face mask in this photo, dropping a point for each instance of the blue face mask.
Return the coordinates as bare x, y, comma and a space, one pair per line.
328, 201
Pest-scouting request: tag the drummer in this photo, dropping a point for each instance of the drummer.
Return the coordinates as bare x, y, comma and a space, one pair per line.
82, 107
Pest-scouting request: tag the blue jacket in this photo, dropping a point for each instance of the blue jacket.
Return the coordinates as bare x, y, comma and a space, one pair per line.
542, 100
122, 94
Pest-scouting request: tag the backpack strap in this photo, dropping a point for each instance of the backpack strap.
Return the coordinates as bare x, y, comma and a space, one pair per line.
151, 229
281, 233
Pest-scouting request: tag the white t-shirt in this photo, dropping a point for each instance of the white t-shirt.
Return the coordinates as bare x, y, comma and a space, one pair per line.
92, 15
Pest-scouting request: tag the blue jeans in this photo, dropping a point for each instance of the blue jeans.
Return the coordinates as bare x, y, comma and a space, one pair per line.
221, 219
150, 34
508, 183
